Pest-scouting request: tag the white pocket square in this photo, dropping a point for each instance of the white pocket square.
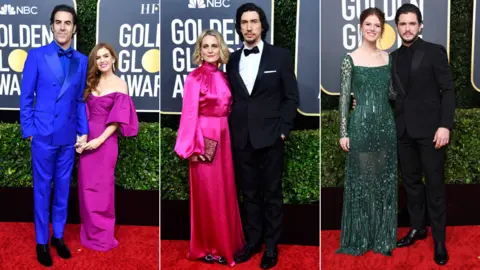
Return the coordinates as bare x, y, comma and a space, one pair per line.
270, 71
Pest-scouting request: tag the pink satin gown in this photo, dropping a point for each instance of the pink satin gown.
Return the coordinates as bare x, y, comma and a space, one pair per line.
216, 227
96, 169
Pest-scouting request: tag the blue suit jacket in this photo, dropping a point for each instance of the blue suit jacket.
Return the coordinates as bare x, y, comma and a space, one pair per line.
59, 112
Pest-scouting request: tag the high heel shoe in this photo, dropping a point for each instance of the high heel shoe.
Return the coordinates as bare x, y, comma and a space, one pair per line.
209, 259
222, 260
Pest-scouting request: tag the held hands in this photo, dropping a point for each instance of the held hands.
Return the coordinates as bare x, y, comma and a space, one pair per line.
442, 137
81, 140
78, 148
345, 144
79, 145
93, 144
82, 144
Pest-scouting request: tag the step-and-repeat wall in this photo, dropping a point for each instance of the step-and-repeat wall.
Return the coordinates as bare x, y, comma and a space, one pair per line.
341, 33
182, 22
131, 27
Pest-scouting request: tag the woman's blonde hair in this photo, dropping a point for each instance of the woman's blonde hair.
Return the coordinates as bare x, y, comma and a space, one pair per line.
224, 52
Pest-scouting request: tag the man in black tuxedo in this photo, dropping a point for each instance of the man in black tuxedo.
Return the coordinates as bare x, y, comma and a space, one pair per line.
265, 100
424, 112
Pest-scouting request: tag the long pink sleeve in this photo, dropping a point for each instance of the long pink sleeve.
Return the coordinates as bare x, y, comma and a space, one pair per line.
190, 138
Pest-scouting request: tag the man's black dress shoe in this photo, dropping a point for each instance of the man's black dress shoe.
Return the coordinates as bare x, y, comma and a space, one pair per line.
61, 247
269, 259
412, 236
441, 255
246, 253
43, 255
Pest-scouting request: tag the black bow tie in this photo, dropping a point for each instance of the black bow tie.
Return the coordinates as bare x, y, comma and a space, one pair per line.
68, 53
254, 50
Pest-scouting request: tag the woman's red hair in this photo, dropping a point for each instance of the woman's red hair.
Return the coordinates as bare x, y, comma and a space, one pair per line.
93, 75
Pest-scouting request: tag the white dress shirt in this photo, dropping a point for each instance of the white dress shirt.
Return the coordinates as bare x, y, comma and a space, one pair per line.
249, 65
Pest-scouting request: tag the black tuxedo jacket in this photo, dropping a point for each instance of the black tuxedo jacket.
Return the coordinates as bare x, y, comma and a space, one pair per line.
428, 102
270, 110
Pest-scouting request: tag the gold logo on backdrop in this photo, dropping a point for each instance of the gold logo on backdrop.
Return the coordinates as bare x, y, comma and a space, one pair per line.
151, 61
16, 60
388, 38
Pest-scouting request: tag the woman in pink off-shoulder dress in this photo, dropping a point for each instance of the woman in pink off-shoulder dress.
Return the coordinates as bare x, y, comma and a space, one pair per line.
110, 110
216, 229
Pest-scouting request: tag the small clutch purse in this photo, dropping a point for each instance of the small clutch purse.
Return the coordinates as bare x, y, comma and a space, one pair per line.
210, 149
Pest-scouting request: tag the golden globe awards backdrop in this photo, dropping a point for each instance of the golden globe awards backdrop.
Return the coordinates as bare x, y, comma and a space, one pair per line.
24, 24
182, 22
475, 70
133, 29
308, 56
343, 32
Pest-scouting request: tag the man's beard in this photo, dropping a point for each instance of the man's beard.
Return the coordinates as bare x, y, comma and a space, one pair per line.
410, 41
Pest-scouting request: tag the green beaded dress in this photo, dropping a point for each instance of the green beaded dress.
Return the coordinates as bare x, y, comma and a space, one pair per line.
369, 218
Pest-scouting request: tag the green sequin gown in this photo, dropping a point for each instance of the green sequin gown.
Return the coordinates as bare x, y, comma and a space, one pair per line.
369, 218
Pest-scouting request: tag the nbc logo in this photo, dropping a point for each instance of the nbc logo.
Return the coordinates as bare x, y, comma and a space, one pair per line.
7, 9
196, 4
208, 3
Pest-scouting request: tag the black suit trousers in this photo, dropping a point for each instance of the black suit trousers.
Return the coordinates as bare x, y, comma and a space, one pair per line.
259, 173
419, 157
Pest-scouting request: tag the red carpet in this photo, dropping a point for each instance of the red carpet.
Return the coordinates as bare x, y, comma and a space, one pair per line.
138, 249
290, 257
463, 244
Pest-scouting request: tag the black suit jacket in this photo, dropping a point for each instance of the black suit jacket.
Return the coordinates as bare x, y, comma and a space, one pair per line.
271, 108
428, 102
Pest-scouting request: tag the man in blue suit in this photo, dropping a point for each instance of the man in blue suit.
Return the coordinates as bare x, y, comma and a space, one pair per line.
55, 75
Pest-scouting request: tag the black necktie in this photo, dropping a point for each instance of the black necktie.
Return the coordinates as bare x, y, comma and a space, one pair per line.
254, 50
68, 53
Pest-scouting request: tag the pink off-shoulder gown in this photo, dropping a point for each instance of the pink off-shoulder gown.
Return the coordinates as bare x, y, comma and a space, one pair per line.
216, 227
96, 169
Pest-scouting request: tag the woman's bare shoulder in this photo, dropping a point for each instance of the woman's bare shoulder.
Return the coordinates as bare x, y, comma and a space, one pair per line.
121, 85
